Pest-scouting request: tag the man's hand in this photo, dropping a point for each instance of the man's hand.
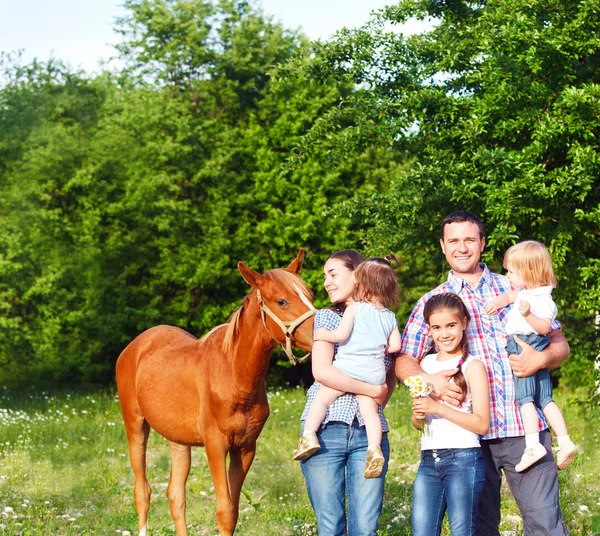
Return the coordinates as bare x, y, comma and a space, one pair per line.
524, 308
528, 362
443, 389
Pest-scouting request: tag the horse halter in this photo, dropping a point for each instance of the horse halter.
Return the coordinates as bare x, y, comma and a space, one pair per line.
288, 328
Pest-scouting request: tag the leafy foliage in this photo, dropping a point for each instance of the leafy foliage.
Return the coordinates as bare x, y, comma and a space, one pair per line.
126, 200
497, 106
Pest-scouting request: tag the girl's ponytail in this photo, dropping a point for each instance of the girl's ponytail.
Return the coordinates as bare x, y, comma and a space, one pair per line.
459, 377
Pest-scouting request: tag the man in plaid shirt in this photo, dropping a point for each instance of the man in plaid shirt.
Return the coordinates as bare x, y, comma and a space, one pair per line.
535, 490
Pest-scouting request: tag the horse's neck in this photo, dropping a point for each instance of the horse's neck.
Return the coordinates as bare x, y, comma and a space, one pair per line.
252, 350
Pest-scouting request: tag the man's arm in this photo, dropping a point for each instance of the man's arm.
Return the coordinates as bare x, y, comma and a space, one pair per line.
529, 361
407, 365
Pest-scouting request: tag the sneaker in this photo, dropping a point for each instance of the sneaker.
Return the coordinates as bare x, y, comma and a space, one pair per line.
530, 456
375, 461
566, 454
309, 444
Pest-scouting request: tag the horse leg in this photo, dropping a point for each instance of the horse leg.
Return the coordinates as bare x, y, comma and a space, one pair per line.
216, 452
181, 459
239, 465
137, 436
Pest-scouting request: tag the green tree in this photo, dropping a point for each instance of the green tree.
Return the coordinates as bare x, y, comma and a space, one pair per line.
497, 107
128, 198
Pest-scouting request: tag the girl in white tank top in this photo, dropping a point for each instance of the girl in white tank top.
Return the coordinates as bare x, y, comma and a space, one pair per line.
452, 470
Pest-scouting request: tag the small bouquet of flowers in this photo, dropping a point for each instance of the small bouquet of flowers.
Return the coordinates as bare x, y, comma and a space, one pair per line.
417, 386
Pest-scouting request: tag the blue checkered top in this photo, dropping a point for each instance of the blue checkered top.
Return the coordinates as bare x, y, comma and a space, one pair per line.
345, 408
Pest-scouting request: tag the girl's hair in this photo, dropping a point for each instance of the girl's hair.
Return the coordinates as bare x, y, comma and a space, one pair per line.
448, 301
532, 261
376, 281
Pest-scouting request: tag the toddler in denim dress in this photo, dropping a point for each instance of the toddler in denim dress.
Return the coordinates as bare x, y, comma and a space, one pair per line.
529, 269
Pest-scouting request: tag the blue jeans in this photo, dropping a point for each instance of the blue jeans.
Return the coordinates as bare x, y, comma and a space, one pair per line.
536, 388
336, 471
448, 479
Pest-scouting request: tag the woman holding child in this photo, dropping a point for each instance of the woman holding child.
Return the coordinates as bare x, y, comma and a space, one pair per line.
337, 469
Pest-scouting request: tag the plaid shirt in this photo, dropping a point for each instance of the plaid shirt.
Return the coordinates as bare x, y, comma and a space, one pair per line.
487, 341
344, 408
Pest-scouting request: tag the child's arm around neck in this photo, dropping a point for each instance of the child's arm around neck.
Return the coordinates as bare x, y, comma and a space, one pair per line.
343, 330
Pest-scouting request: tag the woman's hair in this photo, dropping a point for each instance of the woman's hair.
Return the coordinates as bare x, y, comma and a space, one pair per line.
350, 259
532, 261
376, 281
448, 301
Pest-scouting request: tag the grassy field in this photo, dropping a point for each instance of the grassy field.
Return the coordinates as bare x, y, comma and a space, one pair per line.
64, 470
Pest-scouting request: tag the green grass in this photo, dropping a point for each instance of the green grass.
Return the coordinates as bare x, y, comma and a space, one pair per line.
64, 471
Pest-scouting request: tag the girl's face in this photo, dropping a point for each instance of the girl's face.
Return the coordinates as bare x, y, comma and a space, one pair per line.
447, 330
514, 277
339, 281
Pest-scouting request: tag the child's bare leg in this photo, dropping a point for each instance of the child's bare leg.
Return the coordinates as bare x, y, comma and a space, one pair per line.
369, 411
534, 450
555, 419
566, 448
530, 417
323, 399
375, 460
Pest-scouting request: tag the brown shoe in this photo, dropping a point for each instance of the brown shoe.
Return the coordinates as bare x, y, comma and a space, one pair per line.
566, 454
309, 444
375, 461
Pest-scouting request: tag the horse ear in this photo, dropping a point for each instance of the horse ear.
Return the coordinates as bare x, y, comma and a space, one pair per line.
250, 276
296, 265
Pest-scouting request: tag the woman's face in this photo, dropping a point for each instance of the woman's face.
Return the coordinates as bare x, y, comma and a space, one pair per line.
339, 281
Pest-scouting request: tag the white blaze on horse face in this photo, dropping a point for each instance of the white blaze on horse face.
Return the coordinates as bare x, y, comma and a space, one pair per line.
304, 299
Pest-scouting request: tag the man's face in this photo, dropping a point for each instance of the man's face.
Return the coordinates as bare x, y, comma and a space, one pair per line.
462, 247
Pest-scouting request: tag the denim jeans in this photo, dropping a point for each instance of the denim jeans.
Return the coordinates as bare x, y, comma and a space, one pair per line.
448, 479
336, 472
536, 388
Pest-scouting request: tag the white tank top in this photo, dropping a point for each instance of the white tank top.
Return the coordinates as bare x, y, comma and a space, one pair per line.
441, 433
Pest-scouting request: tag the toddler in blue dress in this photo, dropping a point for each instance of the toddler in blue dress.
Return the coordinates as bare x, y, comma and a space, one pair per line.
367, 331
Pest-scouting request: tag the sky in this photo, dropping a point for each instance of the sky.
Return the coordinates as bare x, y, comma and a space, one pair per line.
79, 32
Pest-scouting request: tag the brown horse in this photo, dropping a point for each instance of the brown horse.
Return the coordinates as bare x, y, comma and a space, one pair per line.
210, 391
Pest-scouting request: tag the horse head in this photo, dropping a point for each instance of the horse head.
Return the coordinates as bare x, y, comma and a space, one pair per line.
286, 304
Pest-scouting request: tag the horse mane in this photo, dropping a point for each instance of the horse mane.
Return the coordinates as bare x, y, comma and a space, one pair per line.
282, 278
233, 327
